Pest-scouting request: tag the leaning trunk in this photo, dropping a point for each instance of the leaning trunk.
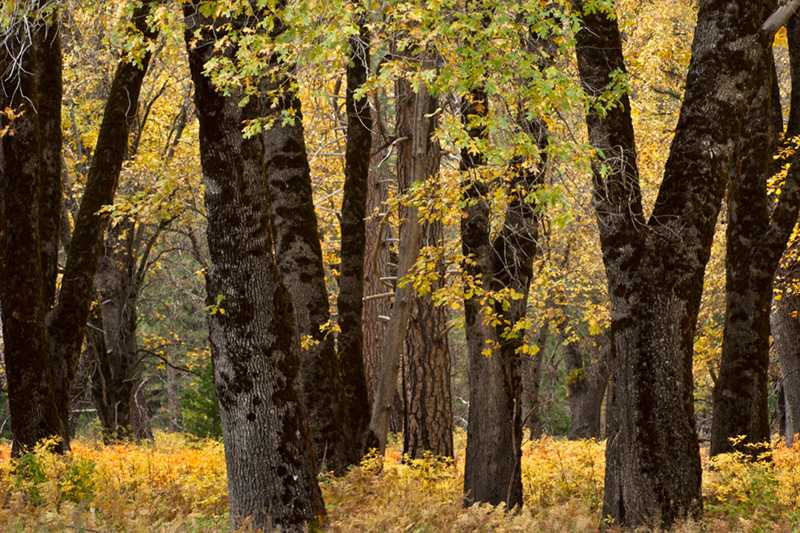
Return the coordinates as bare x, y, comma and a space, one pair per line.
67, 323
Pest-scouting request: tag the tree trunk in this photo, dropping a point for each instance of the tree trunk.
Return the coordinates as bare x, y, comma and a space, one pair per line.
254, 344
34, 415
531, 372
50, 91
655, 267
785, 323
67, 323
116, 296
299, 258
428, 406
354, 205
756, 238
492, 471
586, 363
377, 292
408, 250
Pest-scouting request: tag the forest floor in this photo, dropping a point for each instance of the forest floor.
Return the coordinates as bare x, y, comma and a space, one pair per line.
178, 485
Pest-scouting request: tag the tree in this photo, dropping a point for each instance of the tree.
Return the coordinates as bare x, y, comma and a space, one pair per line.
408, 250
428, 412
353, 227
757, 232
51, 359
298, 255
586, 362
255, 345
655, 266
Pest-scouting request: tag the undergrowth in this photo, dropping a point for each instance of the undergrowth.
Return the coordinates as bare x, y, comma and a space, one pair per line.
177, 485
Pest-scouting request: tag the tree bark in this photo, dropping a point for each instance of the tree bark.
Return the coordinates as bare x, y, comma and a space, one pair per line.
428, 406
117, 290
655, 267
298, 254
408, 250
50, 91
254, 344
785, 332
34, 413
377, 259
354, 206
492, 471
756, 238
784, 321
531, 372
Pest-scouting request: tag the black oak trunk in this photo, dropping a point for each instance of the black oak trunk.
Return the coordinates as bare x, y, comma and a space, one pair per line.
254, 344
586, 363
492, 471
34, 415
757, 235
353, 225
298, 255
655, 267
67, 323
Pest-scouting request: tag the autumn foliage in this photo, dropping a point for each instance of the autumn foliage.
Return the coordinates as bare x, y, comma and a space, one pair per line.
175, 484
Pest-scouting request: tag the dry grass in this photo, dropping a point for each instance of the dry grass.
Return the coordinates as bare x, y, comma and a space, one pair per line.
175, 485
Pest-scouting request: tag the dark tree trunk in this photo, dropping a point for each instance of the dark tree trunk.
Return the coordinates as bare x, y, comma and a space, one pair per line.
67, 323
49, 86
755, 243
786, 332
299, 259
34, 415
428, 407
254, 344
586, 363
492, 471
117, 367
354, 205
655, 268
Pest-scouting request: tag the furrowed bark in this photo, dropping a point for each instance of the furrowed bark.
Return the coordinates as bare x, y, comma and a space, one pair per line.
428, 410
655, 268
354, 204
254, 344
756, 238
408, 250
376, 264
27, 357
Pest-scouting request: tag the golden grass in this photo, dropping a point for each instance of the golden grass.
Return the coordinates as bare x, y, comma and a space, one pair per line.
175, 485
